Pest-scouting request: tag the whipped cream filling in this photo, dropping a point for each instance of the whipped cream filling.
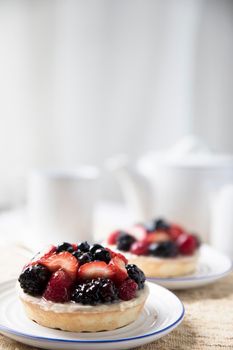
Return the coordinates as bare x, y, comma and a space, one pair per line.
74, 307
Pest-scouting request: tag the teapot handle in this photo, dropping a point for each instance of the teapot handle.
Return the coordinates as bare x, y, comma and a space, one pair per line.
135, 188
221, 229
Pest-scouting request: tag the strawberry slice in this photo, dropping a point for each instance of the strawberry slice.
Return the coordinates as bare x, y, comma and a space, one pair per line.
117, 265
158, 236
112, 238
95, 269
175, 231
48, 251
121, 256
63, 260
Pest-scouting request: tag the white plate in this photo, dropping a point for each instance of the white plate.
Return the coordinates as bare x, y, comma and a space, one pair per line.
212, 265
156, 320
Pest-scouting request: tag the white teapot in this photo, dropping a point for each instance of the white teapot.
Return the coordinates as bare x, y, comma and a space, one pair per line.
180, 184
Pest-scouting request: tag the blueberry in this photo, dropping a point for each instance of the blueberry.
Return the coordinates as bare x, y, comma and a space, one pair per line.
124, 241
84, 247
65, 247
136, 274
95, 247
102, 255
34, 279
163, 249
85, 258
154, 225
77, 253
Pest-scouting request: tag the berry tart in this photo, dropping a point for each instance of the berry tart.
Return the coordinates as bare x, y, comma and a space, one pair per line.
159, 248
82, 288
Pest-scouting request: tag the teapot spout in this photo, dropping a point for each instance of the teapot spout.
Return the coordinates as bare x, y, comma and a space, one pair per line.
135, 187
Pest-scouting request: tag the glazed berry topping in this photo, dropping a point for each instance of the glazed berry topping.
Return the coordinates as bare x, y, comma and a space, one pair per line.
59, 286
65, 247
95, 291
102, 255
139, 248
85, 258
124, 241
84, 247
163, 249
88, 277
186, 244
127, 290
95, 269
112, 238
34, 279
95, 247
136, 274
64, 260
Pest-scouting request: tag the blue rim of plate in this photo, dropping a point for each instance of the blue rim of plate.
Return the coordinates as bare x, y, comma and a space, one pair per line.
170, 326
193, 278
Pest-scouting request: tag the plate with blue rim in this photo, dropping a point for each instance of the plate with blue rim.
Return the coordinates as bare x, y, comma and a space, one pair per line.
156, 320
211, 266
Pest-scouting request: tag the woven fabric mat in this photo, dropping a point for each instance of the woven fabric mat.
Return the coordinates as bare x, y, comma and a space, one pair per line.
208, 322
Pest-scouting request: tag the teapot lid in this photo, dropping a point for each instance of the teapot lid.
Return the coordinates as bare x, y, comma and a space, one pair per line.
188, 152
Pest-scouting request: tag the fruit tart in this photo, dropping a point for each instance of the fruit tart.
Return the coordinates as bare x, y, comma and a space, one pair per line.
159, 248
78, 287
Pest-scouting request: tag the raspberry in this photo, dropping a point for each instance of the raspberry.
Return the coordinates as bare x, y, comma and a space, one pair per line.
58, 288
186, 244
127, 290
139, 248
112, 238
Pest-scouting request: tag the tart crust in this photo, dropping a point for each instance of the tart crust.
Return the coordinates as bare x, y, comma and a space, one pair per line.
92, 319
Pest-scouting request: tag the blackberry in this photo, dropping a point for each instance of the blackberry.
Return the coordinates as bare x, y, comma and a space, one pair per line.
108, 291
34, 279
166, 249
85, 258
95, 247
102, 255
84, 247
136, 274
94, 292
124, 241
65, 247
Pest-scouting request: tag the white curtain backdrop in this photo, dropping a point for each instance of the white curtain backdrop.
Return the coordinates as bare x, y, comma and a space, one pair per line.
81, 80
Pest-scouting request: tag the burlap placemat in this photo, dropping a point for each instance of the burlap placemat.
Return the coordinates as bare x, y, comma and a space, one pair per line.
208, 322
